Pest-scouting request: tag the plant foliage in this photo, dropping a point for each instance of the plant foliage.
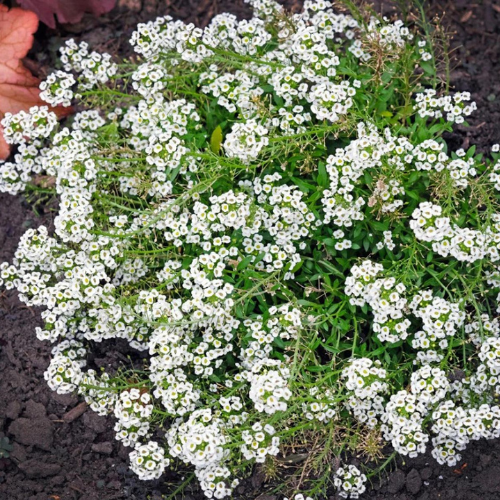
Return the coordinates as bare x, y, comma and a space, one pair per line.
268, 212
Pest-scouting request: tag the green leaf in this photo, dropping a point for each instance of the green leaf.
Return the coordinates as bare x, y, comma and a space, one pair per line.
304, 186
428, 68
332, 268
379, 226
244, 263
413, 195
322, 175
216, 140
470, 152
386, 77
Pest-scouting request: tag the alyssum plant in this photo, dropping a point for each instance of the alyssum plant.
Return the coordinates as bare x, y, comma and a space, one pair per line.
267, 210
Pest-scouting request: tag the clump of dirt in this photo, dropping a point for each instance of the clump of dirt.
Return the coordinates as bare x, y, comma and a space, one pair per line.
475, 63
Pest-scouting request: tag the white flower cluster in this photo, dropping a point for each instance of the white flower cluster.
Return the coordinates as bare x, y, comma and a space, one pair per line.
24, 127
387, 243
215, 481
430, 384
392, 37
181, 228
349, 481
366, 385
148, 460
361, 277
480, 328
488, 372
133, 410
246, 140
345, 168
63, 374
159, 131
384, 296
269, 389
456, 426
27, 130
92, 67
56, 89
453, 107
200, 441
237, 91
323, 406
98, 392
447, 238
373, 151
403, 421
259, 442
439, 317
495, 176
440, 320
384, 195
284, 324
430, 156
395, 34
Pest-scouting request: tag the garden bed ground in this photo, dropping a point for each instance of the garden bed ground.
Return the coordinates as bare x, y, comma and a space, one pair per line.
63, 452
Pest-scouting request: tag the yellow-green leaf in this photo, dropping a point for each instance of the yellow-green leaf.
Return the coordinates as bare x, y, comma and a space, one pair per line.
216, 140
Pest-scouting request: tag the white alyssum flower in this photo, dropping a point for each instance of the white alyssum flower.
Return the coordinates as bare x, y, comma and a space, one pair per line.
454, 108
63, 374
269, 389
349, 481
133, 410
246, 140
200, 440
367, 387
403, 421
148, 461
323, 406
194, 253
56, 89
259, 442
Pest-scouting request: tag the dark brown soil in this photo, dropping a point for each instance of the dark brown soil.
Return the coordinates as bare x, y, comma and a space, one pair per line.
63, 452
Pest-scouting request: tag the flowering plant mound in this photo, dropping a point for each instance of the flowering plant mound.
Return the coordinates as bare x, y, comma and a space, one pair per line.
267, 211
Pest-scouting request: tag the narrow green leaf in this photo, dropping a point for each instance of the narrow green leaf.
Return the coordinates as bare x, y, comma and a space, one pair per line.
244, 263
216, 140
322, 175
